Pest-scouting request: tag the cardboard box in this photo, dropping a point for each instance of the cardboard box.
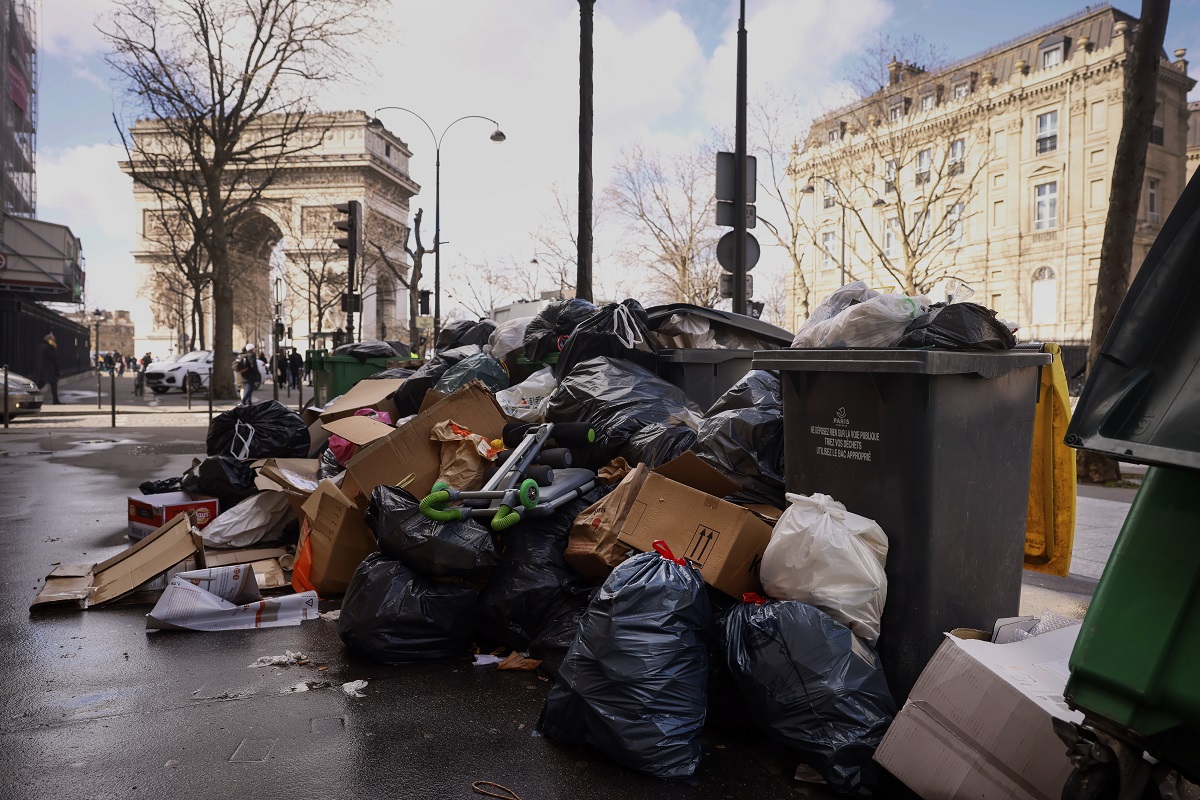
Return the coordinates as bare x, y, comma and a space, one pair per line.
89, 585
150, 512
680, 503
364, 394
339, 537
408, 450
978, 723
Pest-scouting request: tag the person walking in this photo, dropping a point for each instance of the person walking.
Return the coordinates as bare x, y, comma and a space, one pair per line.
295, 367
247, 367
48, 365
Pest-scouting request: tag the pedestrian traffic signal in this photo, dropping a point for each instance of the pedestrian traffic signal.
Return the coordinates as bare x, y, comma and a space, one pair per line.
352, 225
424, 296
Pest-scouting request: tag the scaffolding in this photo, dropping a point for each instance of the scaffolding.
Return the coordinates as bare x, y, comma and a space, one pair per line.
18, 108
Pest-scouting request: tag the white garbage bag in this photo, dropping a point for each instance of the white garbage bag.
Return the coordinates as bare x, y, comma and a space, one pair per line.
529, 399
855, 316
258, 518
507, 337
825, 556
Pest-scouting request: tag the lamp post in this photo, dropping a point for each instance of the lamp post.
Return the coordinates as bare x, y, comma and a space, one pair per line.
879, 202
98, 315
275, 331
497, 136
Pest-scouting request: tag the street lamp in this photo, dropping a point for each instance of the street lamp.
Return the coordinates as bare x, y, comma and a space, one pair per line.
879, 202
276, 331
497, 136
98, 315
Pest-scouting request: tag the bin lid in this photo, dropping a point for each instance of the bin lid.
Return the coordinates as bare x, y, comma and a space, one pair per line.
989, 364
660, 314
1141, 401
701, 355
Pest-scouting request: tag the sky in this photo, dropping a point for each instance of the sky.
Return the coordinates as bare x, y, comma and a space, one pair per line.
664, 79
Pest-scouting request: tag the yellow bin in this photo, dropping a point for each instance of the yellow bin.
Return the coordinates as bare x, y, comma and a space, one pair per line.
1050, 521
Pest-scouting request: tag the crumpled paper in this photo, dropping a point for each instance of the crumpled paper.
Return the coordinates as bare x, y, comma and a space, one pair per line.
465, 456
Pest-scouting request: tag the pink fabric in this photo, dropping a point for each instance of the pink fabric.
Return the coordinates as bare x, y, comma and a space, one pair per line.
343, 449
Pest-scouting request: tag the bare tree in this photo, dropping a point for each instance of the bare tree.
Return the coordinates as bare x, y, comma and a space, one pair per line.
226, 86
1129, 168
181, 268
905, 149
409, 278
670, 212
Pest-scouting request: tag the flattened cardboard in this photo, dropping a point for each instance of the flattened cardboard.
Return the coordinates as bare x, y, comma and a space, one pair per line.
91, 585
151, 511
317, 437
979, 722
364, 394
340, 538
408, 449
358, 430
724, 540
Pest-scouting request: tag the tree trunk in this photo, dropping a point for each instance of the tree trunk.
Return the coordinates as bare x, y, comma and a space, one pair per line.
222, 371
1129, 167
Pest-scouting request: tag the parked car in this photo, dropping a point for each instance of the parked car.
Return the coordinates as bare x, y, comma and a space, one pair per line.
192, 369
24, 397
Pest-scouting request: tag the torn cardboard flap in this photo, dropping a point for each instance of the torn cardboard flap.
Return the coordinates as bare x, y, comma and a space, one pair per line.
364, 394
359, 430
295, 476
92, 585
340, 538
690, 470
408, 449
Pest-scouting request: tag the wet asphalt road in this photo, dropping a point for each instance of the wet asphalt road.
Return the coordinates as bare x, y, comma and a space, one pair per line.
96, 707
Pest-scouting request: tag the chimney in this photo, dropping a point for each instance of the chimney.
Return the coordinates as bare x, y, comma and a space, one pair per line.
893, 72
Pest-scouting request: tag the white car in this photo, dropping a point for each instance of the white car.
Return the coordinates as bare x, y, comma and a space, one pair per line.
24, 396
192, 369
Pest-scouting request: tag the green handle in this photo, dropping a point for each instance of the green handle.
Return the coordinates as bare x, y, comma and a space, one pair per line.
505, 518
434, 508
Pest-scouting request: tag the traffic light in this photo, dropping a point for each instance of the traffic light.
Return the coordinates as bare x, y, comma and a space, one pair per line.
352, 225
424, 298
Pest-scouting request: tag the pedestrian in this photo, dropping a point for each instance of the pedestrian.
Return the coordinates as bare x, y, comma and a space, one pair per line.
247, 367
108, 362
119, 362
295, 367
48, 365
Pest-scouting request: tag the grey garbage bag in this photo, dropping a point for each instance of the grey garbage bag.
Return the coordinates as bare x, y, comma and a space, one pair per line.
459, 549
633, 683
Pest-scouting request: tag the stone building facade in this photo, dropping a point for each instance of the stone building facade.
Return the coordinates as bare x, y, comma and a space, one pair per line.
287, 240
995, 171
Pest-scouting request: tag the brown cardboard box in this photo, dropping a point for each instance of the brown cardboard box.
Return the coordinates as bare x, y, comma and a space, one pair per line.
592, 546
680, 503
979, 722
88, 585
339, 537
364, 394
408, 450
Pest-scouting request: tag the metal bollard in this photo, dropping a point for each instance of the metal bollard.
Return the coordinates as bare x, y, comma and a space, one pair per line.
99, 390
113, 396
210, 394
6, 414
187, 388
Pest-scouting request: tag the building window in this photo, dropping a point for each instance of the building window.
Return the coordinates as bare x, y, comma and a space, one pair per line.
1052, 57
1047, 132
835, 136
961, 89
928, 102
828, 240
954, 224
958, 156
924, 164
998, 219
896, 113
891, 239
1156, 130
1152, 200
387, 150
1044, 304
829, 197
889, 181
1045, 205
1099, 116
921, 226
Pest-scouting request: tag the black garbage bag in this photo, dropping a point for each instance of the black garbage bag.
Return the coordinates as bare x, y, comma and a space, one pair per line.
958, 326
620, 330
532, 586
410, 394
633, 682
390, 374
160, 486
460, 549
457, 334
548, 331
656, 444
477, 367
403, 349
392, 615
618, 398
264, 430
224, 477
812, 686
329, 466
361, 351
742, 436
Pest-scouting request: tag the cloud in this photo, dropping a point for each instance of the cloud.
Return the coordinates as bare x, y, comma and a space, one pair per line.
82, 188
71, 32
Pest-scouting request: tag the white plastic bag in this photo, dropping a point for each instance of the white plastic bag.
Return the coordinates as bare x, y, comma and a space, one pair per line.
529, 399
823, 555
258, 518
877, 320
507, 337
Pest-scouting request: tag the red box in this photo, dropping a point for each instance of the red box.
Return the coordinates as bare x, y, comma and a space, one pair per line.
147, 513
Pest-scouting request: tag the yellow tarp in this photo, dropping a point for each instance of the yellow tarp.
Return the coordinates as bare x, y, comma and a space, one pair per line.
1050, 522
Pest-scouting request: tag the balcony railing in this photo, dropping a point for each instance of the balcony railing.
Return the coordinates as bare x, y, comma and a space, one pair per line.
1047, 144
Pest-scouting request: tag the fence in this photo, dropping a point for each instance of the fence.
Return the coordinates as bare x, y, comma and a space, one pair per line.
24, 323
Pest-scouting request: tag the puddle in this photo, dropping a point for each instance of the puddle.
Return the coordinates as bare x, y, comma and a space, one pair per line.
6, 454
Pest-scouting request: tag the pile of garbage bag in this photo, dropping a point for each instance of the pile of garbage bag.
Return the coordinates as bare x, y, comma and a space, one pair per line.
742, 435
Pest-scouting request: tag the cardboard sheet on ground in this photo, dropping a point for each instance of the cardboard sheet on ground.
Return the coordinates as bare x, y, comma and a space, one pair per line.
226, 599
